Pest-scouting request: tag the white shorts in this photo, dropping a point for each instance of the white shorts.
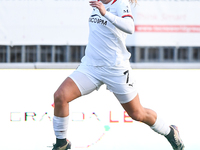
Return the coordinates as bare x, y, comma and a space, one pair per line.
120, 81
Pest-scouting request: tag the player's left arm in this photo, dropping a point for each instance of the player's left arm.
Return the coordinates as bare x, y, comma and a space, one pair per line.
125, 24
124, 20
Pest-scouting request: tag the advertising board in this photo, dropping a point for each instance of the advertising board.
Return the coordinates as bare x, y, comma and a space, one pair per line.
97, 121
65, 22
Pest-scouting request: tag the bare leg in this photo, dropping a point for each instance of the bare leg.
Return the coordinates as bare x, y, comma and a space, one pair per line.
137, 112
67, 92
147, 116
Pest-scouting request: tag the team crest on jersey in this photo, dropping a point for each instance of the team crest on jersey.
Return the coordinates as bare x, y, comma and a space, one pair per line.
97, 19
108, 9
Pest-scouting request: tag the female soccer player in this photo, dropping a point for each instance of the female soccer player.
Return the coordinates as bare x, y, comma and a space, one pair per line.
106, 61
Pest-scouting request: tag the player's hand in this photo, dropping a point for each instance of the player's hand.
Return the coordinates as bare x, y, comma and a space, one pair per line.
98, 5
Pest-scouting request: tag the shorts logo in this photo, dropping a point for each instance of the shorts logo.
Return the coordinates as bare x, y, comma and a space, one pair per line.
131, 84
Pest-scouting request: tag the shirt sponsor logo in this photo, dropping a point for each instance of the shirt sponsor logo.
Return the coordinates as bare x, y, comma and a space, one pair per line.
97, 19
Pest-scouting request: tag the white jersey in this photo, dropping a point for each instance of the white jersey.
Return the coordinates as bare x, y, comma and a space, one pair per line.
106, 46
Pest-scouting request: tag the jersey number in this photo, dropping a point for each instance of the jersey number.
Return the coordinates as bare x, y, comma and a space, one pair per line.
127, 72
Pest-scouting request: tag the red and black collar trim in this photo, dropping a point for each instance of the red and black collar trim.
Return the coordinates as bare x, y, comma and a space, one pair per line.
113, 2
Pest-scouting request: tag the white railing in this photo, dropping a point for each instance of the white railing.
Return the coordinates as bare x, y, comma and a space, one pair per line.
75, 65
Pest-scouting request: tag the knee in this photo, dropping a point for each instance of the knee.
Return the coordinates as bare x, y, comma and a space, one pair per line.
137, 116
60, 99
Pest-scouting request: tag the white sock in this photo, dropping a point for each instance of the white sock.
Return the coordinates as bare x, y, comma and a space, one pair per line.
161, 127
60, 125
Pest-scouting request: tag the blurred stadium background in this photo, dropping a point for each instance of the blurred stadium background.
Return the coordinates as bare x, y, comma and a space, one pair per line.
56, 31
43, 41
